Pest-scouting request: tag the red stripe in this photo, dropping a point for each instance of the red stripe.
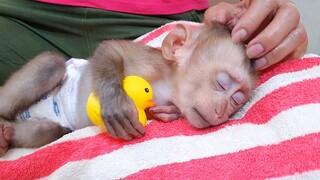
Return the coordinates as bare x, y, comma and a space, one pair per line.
286, 158
289, 66
282, 99
156, 33
47, 160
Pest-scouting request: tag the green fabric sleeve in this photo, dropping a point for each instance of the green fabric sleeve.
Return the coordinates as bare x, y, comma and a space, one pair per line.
28, 28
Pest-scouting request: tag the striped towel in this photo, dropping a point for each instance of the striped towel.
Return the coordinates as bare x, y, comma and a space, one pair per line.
276, 134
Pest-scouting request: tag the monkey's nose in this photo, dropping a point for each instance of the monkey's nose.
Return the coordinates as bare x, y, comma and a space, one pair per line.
220, 109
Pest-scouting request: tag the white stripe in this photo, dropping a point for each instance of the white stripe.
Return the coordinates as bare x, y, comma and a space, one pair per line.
130, 159
310, 56
81, 133
158, 39
157, 42
274, 83
16, 153
306, 175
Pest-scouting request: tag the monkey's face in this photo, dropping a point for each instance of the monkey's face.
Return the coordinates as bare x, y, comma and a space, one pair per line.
213, 84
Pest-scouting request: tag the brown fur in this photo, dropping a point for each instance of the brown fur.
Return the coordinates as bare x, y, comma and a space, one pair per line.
199, 74
27, 85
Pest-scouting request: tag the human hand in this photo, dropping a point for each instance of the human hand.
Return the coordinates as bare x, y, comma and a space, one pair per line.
271, 29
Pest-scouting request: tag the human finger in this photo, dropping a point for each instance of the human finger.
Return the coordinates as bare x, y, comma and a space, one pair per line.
295, 44
286, 19
299, 52
257, 12
221, 13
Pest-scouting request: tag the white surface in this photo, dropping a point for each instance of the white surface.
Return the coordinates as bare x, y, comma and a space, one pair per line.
310, 17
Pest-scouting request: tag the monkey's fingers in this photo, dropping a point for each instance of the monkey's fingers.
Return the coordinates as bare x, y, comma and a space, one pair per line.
134, 128
6, 132
166, 117
165, 113
165, 109
3, 150
110, 129
121, 131
115, 130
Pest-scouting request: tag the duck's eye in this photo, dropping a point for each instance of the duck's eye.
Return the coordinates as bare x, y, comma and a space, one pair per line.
146, 90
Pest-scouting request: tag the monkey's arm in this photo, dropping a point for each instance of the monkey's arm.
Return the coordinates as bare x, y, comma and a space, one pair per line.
111, 62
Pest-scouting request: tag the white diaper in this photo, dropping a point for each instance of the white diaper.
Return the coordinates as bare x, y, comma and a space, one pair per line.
60, 104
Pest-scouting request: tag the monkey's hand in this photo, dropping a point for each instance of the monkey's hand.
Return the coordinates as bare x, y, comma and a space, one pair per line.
120, 117
165, 113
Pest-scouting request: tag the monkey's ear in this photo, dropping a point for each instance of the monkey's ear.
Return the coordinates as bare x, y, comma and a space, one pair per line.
174, 41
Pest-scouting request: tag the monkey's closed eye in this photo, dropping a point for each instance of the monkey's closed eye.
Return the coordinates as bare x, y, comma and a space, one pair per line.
238, 98
221, 86
224, 80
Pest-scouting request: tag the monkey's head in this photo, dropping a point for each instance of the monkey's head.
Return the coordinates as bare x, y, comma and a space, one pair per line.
213, 75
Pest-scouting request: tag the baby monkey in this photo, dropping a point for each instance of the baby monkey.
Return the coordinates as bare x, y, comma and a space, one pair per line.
199, 74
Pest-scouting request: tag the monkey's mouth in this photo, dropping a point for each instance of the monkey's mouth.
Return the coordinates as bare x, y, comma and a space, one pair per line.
201, 117
209, 121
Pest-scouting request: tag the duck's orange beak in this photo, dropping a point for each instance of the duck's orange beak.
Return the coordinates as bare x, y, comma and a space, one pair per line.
150, 103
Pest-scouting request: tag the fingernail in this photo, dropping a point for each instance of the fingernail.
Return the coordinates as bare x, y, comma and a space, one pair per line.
260, 63
152, 109
255, 50
239, 36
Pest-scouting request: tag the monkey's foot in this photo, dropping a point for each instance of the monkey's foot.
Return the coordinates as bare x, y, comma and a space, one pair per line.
6, 132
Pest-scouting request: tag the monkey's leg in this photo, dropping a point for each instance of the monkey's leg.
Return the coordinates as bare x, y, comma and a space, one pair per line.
27, 85
36, 133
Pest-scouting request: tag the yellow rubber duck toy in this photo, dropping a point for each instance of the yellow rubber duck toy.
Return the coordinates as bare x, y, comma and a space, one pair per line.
137, 88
